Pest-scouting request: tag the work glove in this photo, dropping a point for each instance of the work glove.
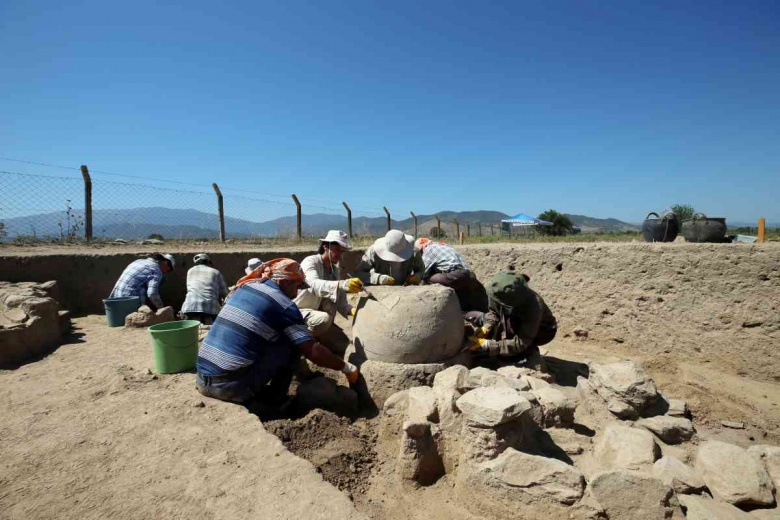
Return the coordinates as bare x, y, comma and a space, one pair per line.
386, 280
474, 344
353, 311
482, 332
413, 280
351, 372
351, 285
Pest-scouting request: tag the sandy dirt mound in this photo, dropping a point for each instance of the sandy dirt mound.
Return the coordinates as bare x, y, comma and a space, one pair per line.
341, 452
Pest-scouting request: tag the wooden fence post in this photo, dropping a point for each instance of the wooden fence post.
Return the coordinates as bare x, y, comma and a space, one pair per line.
468, 230
414, 217
457, 227
438, 227
349, 219
87, 203
220, 210
479, 224
298, 226
388, 217
761, 230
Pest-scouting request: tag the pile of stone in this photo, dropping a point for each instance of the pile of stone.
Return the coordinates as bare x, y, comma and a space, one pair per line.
145, 317
31, 321
515, 445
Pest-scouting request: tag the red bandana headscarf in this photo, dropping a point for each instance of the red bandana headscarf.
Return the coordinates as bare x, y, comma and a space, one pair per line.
276, 269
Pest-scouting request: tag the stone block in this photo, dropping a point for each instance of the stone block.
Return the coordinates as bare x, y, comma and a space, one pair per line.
705, 508
492, 406
633, 495
144, 317
418, 460
623, 447
770, 457
422, 405
671, 430
530, 478
733, 475
452, 378
681, 477
557, 408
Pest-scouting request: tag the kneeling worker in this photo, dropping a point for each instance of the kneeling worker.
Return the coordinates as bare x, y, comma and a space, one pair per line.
257, 338
143, 277
206, 287
326, 294
517, 322
391, 260
445, 266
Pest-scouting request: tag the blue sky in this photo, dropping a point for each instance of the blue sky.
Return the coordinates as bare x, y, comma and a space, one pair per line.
609, 109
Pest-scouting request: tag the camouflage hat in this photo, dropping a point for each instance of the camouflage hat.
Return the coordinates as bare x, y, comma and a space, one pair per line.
506, 287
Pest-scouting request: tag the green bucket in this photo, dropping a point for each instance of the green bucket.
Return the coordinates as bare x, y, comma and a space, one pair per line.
117, 309
175, 346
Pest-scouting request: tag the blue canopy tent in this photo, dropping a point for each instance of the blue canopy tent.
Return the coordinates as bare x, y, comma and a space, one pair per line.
524, 221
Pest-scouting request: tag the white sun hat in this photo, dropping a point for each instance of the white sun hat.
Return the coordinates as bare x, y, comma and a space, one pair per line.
252, 264
337, 236
171, 260
394, 247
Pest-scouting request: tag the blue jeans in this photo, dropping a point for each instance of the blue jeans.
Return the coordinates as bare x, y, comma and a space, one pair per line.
268, 380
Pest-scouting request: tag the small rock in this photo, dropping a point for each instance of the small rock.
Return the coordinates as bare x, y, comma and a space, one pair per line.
677, 408
625, 387
492, 406
733, 475
704, 508
681, 477
632, 495
671, 430
733, 425
535, 383
397, 403
199, 404
580, 333
623, 447
476, 377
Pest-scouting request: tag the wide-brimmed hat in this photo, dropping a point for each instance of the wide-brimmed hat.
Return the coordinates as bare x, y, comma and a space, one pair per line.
201, 258
337, 236
394, 246
171, 260
252, 264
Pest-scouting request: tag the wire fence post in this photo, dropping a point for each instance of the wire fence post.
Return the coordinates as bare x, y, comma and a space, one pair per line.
479, 228
388, 217
349, 219
468, 230
457, 227
87, 203
438, 226
298, 224
414, 218
491, 230
761, 230
220, 211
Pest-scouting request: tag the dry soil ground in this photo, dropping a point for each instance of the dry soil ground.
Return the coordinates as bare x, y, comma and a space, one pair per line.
89, 432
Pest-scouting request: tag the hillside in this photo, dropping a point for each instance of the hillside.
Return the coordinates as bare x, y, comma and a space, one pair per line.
138, 223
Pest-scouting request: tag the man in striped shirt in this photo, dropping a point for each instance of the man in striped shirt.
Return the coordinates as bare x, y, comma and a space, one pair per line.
258, 337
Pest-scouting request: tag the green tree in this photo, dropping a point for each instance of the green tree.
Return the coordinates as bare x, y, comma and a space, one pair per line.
561, 224
156, 236
683, 211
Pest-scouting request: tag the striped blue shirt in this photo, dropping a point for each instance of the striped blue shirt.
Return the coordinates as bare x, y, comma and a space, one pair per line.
258, 324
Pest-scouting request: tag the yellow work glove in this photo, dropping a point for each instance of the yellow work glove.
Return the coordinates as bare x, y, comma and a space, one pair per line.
352, 285
476, 343
386, 280
353, 311
413, 280
482, 332
351, 372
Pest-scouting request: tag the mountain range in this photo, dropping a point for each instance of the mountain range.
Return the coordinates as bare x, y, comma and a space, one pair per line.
171, 223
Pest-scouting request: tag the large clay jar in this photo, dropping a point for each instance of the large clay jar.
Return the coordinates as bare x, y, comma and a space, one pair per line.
414, 324
662, 228
703, 229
